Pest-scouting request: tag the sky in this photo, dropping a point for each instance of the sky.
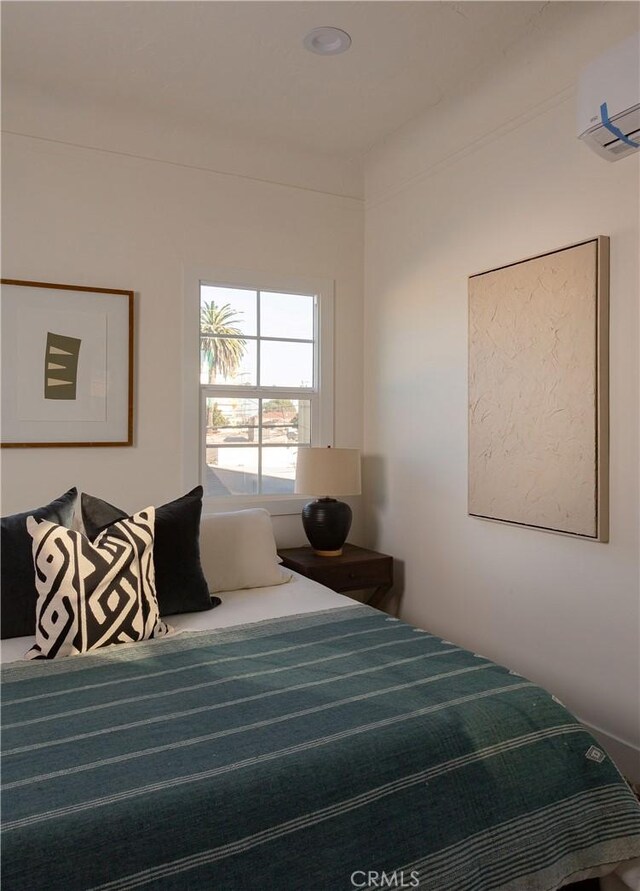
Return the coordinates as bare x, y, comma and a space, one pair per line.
281, 315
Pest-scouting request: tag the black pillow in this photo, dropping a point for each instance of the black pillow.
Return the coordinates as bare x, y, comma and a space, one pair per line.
19, 594
180, 583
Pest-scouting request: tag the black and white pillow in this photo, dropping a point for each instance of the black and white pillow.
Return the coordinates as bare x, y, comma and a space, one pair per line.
94, 595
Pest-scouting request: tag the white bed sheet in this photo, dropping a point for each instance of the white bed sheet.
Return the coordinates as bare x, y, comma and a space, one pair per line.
299, 595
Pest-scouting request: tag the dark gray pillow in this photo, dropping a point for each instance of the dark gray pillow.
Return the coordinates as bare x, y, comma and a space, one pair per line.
18, 592
180, 583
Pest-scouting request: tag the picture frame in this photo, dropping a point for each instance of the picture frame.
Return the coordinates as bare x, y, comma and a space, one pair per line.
67, 365
539, 392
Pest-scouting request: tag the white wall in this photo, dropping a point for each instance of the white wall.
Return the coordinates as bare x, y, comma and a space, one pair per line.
29, 111
90, 217
488, 182
484, 181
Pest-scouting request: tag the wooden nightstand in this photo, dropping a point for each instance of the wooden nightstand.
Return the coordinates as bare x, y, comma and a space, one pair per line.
356, 569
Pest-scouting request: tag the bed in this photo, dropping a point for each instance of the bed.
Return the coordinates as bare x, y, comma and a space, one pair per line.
292, 738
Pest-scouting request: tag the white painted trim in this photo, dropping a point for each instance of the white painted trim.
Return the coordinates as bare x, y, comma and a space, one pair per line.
495, 134
190, 379
325, 291
322, 423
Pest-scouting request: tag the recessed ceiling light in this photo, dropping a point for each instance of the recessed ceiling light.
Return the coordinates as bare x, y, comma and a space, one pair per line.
327, 41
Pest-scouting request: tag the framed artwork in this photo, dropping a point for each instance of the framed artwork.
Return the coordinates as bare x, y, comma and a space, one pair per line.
67, 365
538, 391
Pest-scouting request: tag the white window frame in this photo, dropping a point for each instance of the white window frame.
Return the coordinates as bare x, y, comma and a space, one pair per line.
322, 421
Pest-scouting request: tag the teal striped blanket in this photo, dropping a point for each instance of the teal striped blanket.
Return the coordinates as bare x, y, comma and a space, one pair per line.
335, 750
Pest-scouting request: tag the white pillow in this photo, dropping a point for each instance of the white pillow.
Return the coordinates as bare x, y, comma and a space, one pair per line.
238, 550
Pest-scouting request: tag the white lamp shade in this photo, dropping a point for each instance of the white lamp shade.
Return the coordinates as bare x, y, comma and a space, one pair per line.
328, 472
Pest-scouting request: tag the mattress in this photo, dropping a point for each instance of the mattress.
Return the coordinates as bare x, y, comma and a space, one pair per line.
299, 595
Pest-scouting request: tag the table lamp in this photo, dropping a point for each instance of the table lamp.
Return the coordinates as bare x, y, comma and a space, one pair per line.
327, 472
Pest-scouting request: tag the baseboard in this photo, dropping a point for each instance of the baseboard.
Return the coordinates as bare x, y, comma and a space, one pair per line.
625, 754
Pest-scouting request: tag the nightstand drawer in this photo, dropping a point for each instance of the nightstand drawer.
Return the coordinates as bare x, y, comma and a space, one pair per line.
356, 569
363, 574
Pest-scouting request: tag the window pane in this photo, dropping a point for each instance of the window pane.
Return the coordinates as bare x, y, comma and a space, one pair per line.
258, 350
231, 470
286, 421
222, 309
231, 420
228, 361
278, 469
286, 315
286, 364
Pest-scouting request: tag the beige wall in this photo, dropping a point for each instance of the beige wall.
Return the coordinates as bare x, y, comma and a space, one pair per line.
29, 111
83, 216
488, 182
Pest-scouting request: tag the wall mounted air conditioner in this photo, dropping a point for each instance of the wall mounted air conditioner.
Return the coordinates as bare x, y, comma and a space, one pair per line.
609, 101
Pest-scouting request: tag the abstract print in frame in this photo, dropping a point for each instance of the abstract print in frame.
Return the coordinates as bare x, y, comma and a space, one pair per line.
538, 391
67, 365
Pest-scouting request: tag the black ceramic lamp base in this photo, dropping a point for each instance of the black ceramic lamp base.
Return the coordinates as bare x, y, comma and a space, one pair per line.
327, 523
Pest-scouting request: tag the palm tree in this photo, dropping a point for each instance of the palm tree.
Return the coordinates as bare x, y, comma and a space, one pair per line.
222, 347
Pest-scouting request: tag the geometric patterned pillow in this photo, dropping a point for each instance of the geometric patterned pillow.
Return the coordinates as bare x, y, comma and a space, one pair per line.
94, 595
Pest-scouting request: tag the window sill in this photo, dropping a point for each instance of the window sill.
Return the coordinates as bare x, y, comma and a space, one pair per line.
278, 506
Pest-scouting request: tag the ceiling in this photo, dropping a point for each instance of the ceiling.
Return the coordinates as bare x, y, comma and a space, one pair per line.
240, 68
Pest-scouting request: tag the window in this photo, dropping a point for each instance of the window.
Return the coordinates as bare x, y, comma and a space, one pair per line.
265, 370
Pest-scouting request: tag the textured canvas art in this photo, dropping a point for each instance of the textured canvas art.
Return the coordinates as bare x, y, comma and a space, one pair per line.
538, 391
